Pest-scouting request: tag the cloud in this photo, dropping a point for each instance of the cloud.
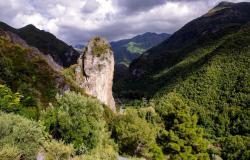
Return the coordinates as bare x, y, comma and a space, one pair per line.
90, 6
132, 6
77, 21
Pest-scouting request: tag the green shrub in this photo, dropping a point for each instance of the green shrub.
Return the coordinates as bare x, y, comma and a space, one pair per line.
57, 150
76, 119
99, 47
26, 136
9, 101
8, 152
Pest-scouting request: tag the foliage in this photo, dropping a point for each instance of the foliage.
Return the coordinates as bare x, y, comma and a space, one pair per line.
236, 147
8, 152
182, 138
99, 47
57, 150
76, 119
9, 101
134, 135
27, 73
212, 80
22, 135
100, 153
132, 47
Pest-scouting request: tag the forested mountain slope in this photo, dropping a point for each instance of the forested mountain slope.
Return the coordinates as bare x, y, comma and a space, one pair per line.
47, 43
224, 16
28, 71
208, 78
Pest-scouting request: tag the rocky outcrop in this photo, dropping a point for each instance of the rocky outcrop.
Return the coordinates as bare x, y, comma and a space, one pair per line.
95, 71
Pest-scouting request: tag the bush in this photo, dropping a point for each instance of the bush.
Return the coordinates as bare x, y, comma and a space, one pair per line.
8, 152
57, 150
76, 119
25, 135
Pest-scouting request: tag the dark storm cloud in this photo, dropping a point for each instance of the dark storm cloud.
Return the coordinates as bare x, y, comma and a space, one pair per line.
76, 21
132, 6
121, 28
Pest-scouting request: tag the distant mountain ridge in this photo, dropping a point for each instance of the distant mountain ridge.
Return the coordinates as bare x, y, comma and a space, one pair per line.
129, 49
225, 16
47, 43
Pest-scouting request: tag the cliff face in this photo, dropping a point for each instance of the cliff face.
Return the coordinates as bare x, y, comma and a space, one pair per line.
95, 71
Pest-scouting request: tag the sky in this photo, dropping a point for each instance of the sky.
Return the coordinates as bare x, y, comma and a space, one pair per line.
76, 21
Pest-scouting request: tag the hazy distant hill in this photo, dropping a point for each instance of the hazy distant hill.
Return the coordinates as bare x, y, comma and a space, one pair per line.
129, 49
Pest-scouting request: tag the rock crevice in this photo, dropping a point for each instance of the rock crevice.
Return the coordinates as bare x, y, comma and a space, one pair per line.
95, 71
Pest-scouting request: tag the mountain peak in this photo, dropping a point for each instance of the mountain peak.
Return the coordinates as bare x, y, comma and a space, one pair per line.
30, 26
225, 4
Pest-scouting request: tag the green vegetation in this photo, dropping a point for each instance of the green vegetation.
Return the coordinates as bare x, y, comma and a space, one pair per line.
196, 107
24, 137
236, 147
46, 43
205, 95
75, 119
8, 152
132, 47
58, 150
27, 73
181, 137
134, 135
100, 47
127, 50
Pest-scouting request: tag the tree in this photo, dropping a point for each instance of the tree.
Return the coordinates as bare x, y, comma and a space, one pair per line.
134, 135
9, 101
181, 138
236, 147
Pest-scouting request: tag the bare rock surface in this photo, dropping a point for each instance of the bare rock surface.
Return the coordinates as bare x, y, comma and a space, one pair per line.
95, 71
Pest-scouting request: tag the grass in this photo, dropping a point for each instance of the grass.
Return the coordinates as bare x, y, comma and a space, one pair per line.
100, 47
133, 47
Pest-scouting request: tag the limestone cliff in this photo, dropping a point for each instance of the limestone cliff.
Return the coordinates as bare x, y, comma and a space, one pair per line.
95, 71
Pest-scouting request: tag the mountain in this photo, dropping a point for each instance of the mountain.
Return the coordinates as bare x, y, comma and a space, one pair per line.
29, 72
47, 43
79, 47
224, 17
129, 49
206, 64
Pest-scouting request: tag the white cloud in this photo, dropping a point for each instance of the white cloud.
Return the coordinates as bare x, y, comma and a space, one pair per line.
77, 20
